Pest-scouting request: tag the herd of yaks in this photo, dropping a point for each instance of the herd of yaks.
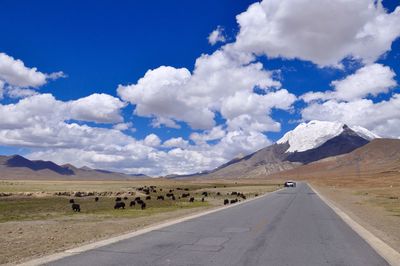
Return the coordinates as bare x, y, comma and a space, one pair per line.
119, 204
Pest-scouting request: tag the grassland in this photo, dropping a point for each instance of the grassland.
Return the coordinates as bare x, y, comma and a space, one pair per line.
36, 218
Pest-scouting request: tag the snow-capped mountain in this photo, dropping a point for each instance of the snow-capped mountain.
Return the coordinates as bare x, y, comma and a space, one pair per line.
308, 142
313, 134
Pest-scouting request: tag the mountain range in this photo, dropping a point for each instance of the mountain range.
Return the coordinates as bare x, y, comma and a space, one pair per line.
313, 145
308, 142
19, 167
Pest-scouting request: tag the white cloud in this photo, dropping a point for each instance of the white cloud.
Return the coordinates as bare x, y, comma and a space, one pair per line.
1, 89
324, 33
124, 126
215, 133
27, 123
169, 94
100, 108
216, 36
152, 140
176, 143
44, 109
19, 77
381, 118
369, 80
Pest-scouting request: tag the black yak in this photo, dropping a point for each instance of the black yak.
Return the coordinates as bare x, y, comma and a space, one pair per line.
119, 205
76, 207
160, 198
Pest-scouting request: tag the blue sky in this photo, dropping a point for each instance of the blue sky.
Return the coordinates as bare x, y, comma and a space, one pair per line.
96, 46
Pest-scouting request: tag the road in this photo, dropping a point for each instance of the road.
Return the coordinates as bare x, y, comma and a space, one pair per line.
292, 226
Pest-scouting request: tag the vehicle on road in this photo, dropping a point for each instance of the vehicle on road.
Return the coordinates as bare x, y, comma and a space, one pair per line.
290, 184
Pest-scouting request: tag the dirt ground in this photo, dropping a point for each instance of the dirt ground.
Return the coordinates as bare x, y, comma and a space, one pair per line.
43, 223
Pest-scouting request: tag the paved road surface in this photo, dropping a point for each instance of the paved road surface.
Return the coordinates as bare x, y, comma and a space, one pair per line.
289, 227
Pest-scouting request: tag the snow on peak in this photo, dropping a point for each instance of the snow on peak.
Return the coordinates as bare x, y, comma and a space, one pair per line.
365, 133
311, 135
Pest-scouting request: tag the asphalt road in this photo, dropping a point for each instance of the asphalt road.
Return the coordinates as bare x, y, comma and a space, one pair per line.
292, 226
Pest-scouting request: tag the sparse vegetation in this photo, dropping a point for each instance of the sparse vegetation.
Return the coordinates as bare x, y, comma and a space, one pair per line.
36, 217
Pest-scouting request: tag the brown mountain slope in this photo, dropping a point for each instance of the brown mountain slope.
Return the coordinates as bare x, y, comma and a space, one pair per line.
265, 161
380, 156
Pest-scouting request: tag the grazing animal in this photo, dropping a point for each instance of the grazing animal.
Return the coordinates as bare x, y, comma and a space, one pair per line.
148, 198
96, 199
71, 201
186, 189
140, 202
202, 199
76, 207
218, 193
169, 194
234, 201
137, 198
191, 199
226, 201
125, 198
234, 193
118, 199
119, 205
160, 197
173, 197
132, 203
143, 206
205, 194
256, 195
185, 195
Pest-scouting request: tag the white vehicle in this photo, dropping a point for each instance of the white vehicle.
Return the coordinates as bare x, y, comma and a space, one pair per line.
290, 184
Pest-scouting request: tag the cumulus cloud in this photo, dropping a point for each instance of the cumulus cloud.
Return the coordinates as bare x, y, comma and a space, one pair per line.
100, 108
215, 133
176, 143
152, 140
381, 118
18, 77
169, 94
44, 109
216, 36
369, 80
324, 34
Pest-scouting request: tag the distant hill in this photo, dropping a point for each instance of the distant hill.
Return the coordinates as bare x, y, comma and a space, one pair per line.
19, 167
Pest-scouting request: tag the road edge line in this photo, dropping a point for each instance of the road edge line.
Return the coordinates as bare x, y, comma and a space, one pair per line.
383, 249
112, 240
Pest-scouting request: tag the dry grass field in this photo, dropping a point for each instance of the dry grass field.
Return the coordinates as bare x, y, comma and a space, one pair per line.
36, 218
